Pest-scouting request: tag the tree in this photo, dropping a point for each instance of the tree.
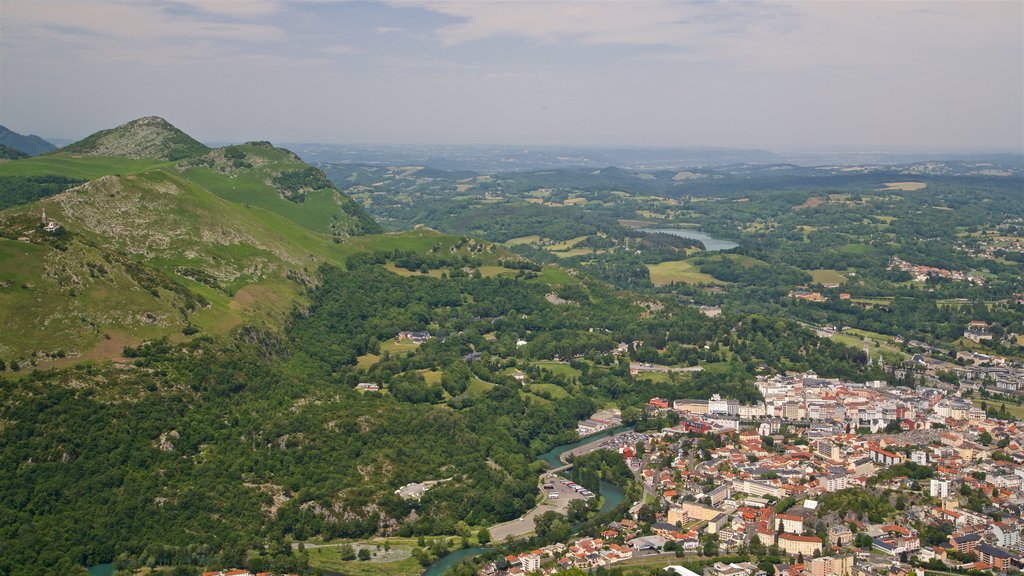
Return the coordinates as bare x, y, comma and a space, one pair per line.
483, 536
364, 554
456, 377
985, 438
711, 543
347, 552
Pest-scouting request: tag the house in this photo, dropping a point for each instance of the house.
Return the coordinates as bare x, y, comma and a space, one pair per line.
368, 387
711, 311
807, 296
658, 403
414, 337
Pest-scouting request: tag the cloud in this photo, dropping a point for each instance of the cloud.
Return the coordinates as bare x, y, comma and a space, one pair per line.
388, 29
235, 8
769, 35
128, 21
340, 49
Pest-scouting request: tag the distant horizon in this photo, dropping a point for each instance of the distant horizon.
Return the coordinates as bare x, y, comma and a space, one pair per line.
62, 141
774, 75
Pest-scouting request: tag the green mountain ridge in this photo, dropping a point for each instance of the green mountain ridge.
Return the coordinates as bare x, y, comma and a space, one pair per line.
158, 234
32, 145
146, 247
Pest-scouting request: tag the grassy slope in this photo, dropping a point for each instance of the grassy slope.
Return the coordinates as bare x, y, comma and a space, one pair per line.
84, 168
233, 227
679, 271
53, 300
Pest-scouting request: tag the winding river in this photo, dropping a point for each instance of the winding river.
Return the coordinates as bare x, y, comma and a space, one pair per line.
613, 496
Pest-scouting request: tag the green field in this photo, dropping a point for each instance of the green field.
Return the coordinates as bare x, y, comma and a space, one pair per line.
522, 240
855, 339
573, 252
682, 271
566, 245
556, 392
477, 387
558, 368
824, 276
365, 361
394, 346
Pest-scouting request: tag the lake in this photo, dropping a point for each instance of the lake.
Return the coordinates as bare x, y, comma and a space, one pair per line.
711, 244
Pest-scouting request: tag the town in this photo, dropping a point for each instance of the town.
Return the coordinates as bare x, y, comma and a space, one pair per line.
823, 477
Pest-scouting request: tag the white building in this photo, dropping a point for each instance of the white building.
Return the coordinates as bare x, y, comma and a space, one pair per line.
719, 405
938, 488
530, 563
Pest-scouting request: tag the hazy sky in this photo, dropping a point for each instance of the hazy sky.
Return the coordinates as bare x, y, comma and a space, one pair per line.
773, 75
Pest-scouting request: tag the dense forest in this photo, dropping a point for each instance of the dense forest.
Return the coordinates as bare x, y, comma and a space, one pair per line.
243, 442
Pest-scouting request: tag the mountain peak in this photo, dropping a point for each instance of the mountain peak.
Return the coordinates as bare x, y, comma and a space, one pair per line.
146, 137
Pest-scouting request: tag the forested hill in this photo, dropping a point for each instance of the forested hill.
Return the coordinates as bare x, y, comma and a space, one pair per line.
140, 232
200, 451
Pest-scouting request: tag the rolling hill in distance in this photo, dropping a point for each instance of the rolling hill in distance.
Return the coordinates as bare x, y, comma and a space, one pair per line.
32, 145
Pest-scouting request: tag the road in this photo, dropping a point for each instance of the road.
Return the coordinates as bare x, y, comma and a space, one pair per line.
524, 525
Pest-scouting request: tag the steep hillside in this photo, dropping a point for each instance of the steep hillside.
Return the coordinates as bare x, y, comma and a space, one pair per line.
258, 174
32, 145
149, 137
135, 246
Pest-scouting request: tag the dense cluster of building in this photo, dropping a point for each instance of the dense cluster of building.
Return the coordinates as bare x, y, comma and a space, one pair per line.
765, 486
923, 273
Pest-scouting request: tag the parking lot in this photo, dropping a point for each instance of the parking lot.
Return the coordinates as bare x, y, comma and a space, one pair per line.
524, 525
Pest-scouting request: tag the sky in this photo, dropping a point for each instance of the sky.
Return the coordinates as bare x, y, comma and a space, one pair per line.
780, 76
